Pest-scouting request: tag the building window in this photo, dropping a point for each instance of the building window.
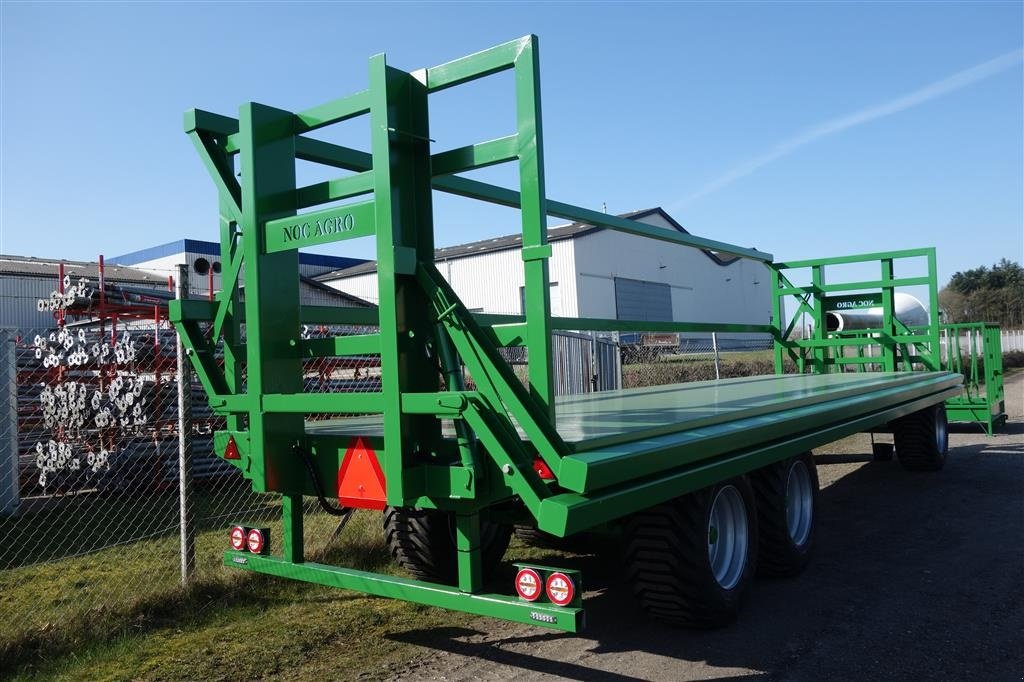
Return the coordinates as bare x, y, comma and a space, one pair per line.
639, 300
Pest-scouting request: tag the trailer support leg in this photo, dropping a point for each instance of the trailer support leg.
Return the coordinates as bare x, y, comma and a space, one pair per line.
467, 543
291, 522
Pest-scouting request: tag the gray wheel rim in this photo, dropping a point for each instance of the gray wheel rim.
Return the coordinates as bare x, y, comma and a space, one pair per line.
799, 503
727, 537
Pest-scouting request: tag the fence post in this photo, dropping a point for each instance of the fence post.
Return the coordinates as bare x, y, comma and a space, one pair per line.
10, 489
185, 507
714, 346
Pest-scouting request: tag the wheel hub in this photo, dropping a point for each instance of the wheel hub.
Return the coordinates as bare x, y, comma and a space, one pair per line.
727, 537
799, 503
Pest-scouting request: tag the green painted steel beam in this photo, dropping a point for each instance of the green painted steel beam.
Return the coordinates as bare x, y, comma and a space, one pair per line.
600, 324
333, 112
320, 227
855, 286
303, 403
475, 156
197, 120
533, 216
569, 513
272, 285
479, 65
339, 346
318, 151
334, 190
771, 413
509, 608
855, 258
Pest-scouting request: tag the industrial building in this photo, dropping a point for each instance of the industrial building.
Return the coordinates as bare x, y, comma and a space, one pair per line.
25, 280
599, 273
204, 269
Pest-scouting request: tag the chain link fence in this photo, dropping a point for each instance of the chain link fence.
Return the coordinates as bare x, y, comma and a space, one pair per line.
654, 359
90, 515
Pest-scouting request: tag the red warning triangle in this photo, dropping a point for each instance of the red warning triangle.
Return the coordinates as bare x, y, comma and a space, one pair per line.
360, 479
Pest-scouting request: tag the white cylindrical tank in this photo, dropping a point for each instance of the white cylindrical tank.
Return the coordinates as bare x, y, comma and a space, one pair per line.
907, 309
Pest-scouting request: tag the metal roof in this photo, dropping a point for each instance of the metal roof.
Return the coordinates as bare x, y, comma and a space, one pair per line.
213, 249
29, 266
515, 241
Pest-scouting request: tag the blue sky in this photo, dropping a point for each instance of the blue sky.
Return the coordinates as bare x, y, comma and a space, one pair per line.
794, 128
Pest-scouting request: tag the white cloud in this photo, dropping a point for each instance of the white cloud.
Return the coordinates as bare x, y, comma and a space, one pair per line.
958, 80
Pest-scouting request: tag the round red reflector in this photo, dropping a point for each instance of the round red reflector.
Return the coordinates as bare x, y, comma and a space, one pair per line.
560, 589
528, 584
255, 541
238, 538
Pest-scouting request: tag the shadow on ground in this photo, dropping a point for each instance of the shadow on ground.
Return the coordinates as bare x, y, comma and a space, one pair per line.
915, 575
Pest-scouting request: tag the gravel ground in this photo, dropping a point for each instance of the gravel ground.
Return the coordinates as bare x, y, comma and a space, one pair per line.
916, 575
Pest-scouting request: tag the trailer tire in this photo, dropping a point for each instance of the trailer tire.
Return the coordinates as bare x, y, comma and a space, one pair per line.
922, 439
787, 504
580, 543
534, 537
422, 541
672, 555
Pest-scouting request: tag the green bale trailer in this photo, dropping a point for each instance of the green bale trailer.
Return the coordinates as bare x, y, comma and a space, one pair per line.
705, 481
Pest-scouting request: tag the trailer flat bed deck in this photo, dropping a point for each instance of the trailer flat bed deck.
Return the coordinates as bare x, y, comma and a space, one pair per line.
665, 427
597, 420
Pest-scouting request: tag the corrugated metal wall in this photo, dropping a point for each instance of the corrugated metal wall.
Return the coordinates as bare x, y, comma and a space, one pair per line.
18, 298
490, 282
20, 293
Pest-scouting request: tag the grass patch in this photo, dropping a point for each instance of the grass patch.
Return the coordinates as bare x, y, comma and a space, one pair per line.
674, 369
52, 607
252, 626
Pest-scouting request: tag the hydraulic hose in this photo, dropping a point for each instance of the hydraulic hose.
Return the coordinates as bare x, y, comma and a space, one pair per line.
318, 485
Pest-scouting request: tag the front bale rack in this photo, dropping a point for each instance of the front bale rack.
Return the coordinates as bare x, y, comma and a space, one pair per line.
425, 449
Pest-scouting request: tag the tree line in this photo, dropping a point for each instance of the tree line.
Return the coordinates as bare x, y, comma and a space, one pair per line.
986, 294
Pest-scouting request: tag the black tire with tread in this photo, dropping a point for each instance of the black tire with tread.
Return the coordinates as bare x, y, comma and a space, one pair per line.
777, 554
580, 543
535, 537
667, 563
917, 439
422, 541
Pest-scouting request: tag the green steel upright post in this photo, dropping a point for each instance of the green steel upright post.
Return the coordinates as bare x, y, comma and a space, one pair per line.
886, 343
818, 352
536, 250
231, 251
292, 524
777, 321
405, 236
272, 281
933, 361
467, 544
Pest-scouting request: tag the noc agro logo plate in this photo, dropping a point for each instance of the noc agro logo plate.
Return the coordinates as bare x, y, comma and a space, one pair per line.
238, 538
560, 589
528, 584
255, 541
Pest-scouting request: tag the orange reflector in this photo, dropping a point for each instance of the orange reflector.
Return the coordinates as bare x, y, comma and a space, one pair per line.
360, 479
542, 469
238, 538
560, 589
255, 541
231, 451
528, 584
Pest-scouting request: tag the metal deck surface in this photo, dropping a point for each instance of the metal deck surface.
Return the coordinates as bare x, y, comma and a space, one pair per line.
595, 420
